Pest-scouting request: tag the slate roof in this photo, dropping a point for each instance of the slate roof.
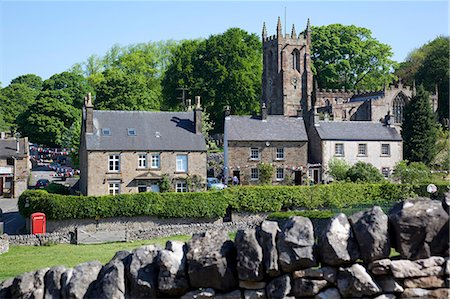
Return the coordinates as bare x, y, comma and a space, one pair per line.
275, 128
8, 148
356, 131
367, 96
158, 131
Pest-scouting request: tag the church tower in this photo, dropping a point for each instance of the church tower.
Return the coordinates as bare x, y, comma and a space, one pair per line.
287, 78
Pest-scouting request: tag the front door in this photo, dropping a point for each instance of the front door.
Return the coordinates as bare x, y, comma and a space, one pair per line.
237, 173
1, 186
297, 178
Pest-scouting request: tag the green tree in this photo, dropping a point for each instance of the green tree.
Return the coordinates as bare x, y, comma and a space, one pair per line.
411, 173
266, 172
364, 172
74, 86
31, 80
338, 169
350, 57
429, 65
224, 69
47, 120
419, 129
14, 99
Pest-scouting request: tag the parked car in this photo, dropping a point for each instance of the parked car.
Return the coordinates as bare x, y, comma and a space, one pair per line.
214, 183
42, 183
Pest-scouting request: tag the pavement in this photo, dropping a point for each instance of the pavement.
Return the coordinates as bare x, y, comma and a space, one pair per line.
13, 222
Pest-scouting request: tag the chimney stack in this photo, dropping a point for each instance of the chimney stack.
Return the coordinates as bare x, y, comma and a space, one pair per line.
89, 113
263, 112
227, 111
189, 105
198, 116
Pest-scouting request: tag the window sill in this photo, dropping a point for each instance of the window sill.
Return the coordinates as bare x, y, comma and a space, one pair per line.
254, 160
113, 172
254, 180
385, 156
340, 156
180, 172
361, 155
280, 180
280, 159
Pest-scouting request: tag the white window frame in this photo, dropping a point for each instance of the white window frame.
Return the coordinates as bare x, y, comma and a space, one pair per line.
131, 132
338, 153
280, 153
388, 147
254, 174
280, 174
142, 161
181, 186
179, 163
362, 149
113, 187
115, 160
254, 150
386, 170
155, 161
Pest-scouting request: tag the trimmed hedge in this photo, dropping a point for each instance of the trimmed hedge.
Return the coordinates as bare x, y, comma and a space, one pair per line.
213, 204
312, 214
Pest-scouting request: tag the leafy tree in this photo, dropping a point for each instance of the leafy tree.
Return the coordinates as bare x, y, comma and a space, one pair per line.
31, 80
364, 172
429, 65
266, 172
73, 85
338, 169
411, 173
350, 57
14, 99
47, 120
419, 129
225, 70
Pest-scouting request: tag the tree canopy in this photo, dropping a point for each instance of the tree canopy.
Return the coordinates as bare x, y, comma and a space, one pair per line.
429, 65
350, 57
74, 86
419, 129
14, 99
31, 80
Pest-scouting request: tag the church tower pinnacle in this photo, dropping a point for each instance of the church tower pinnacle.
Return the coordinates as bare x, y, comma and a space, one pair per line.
264, 31
279, 30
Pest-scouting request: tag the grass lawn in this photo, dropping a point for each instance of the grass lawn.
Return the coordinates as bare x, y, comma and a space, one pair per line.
22, 259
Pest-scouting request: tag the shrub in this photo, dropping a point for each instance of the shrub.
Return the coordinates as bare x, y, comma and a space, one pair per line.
313, 214
266, 172
57, 188
338, 168
164, 184
364, 172
411, 173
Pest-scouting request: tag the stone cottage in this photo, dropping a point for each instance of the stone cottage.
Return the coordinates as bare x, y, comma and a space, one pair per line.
132, 151
15, 165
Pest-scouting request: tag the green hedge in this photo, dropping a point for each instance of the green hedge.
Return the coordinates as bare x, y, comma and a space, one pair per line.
213, 204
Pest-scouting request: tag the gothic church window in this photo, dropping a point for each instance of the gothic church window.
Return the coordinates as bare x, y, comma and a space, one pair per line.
296, 60
397, 107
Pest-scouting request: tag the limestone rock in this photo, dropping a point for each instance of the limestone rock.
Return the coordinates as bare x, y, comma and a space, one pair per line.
304, 287
279, 287
296, 244
5, 288
267, 234
420, 228
429, 294
211, 260
143, 272
252, 285
370, 228
327, 273
52, 281
331, 293
337, 245
200, 294
429, 282
381, 267
172, 278
388, 284
237, 294
386, 296
447, 267
249, 256
81, 279
424, 267
255, 294
111, 280
356, 282
29, 285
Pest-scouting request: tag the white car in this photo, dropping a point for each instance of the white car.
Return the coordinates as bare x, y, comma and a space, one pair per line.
214, 183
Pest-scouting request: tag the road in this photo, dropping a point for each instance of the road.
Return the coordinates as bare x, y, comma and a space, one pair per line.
13, 222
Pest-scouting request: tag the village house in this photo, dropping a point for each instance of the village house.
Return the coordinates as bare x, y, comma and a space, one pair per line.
15, 165
133, 151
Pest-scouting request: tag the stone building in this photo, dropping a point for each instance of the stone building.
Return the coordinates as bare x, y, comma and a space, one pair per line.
131, 151
15, 165
275, 139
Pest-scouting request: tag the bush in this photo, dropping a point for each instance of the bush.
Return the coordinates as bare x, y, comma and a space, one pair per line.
57, 189
212, 204
312, 214
266, 172
411, 173
364, 172
338, 168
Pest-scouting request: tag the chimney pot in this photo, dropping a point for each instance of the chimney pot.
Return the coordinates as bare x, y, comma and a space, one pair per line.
263, 112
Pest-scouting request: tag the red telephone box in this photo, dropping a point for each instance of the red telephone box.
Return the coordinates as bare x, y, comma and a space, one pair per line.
38, 223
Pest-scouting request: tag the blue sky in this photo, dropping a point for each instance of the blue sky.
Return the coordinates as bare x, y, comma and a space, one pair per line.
45, 38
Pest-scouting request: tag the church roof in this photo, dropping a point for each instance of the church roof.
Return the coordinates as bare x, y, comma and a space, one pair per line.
367, 96
158, 131
356, 131
274, 128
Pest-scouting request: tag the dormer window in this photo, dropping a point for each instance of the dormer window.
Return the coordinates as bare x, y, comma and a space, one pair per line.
106, 132
131, 132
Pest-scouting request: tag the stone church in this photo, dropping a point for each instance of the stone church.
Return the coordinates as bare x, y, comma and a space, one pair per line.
339, 124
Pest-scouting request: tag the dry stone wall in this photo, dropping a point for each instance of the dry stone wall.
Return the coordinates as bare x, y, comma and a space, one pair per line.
350, 259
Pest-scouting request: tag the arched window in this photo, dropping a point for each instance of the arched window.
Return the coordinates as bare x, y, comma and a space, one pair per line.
296, 60
397, 107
